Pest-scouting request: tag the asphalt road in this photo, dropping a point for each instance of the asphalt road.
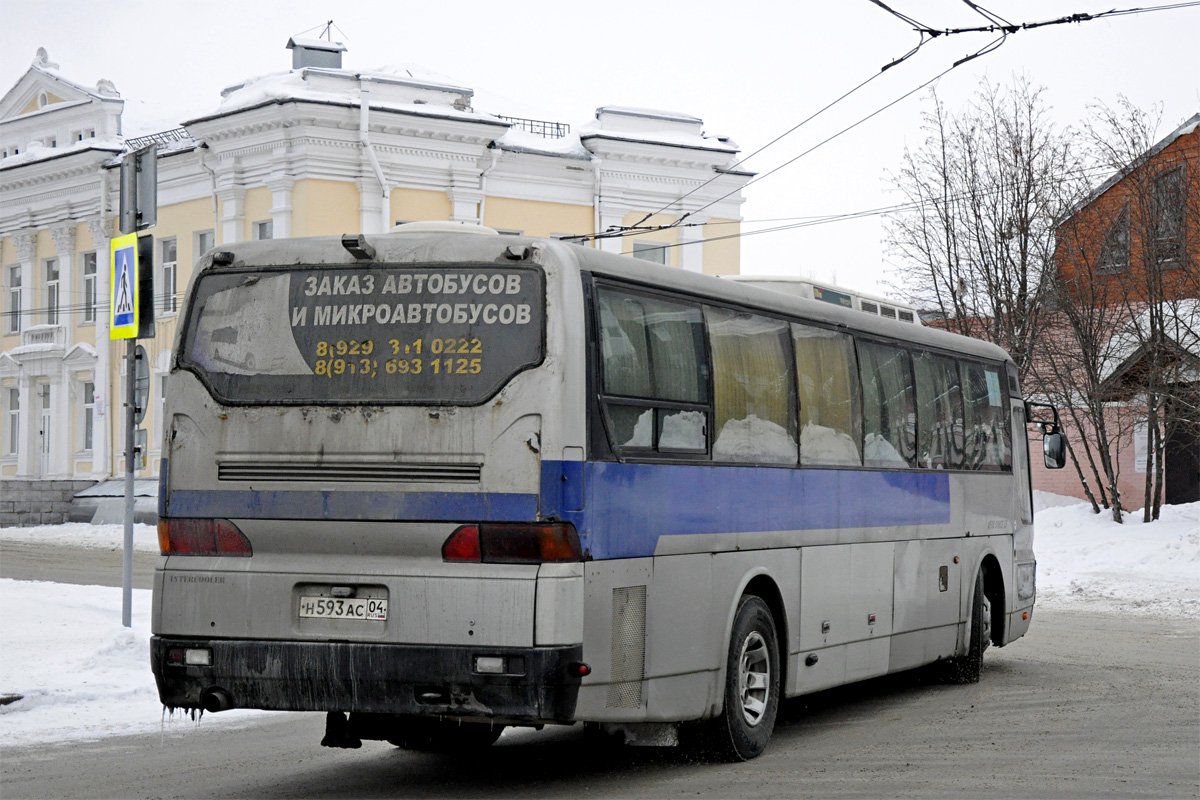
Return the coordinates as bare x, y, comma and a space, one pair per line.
28, 561
1085, 705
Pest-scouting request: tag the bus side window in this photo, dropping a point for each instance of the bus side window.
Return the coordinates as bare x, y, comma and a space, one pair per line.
939, 412
654, 373
889, 406
988, 437
752, 389
830, 412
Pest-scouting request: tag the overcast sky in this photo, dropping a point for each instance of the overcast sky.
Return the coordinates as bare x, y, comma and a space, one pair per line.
751, 70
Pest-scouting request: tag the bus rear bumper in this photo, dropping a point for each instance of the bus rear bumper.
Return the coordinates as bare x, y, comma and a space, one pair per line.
531, 684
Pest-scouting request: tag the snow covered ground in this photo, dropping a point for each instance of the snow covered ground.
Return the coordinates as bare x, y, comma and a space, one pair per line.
1090, 562
83, 676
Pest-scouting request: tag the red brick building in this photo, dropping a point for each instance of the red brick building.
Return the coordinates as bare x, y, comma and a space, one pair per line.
1127, 325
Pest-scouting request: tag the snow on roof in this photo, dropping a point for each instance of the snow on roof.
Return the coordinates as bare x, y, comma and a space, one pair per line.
653, 126
413, 91
676, 138
649, 113
316, 44
1181, 324
517, 140
103, 90
36, 151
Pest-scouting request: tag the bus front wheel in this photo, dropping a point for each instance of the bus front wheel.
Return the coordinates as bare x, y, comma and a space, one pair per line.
969, 668
751, 685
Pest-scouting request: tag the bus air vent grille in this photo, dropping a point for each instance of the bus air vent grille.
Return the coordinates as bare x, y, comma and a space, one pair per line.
358, 472
628, 647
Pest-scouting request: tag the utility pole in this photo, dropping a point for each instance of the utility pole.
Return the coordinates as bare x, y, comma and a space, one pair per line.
131, 310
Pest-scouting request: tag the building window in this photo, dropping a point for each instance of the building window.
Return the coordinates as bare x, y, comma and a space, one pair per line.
655, 253
88, 271
264, 230
169, 304
89, 414
1168, 207
14, 299
52, 291
1114, 252
14, 420
205, 241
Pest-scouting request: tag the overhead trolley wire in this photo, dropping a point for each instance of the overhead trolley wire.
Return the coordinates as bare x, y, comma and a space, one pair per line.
997, 25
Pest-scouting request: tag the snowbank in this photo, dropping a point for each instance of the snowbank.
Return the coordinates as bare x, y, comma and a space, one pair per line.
80, 673
1089, 561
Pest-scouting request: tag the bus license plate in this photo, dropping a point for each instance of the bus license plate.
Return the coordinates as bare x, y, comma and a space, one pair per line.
364, 608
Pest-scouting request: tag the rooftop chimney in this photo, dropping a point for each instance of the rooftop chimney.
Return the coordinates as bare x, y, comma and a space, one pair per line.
315, 53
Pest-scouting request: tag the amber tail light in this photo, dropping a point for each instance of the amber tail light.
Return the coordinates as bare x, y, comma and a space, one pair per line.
532, 543
201, 537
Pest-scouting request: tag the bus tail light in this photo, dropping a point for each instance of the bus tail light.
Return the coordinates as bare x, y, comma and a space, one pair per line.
201, 537
533, 543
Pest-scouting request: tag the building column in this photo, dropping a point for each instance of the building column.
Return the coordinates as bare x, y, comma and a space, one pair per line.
281, 205
465, 194
610, 218
27, 451
233, 213
64, 248
691, 244
373, 210
25, 243
101, 432
58, 464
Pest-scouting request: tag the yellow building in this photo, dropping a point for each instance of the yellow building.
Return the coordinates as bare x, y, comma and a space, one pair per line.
316, 150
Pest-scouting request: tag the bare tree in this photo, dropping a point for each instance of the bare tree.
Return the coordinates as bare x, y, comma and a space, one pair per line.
986, 188
1117, 357
1160, 286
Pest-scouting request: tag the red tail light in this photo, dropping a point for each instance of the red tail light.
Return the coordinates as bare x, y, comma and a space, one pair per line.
533, 543
201, 537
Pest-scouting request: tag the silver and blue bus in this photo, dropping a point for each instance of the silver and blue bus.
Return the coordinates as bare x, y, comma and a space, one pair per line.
438, 483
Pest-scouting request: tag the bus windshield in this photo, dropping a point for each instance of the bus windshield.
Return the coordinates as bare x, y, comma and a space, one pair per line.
380, 334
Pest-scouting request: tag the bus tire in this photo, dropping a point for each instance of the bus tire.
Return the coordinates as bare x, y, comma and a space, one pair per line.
969, 668
442, 735
752, 685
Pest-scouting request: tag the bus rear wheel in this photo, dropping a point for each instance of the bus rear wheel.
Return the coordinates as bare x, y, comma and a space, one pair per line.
752, 686
441, 735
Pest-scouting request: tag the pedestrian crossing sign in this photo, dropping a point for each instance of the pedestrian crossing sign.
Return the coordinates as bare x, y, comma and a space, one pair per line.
123, 288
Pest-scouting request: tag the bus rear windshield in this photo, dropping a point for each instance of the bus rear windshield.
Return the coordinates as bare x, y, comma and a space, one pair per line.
380, 334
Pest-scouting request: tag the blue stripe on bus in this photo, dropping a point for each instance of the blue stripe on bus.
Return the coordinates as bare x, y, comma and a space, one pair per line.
627, 507
621, 510
353, 506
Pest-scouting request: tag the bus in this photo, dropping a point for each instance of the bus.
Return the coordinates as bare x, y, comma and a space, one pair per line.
838, 295
436, 483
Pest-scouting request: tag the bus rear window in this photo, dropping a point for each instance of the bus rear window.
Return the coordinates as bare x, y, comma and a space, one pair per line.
379, 335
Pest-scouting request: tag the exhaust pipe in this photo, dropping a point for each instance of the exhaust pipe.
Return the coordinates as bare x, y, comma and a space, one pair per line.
214, 699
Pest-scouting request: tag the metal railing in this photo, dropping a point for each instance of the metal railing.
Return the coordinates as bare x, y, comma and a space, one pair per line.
162, 137
540, 127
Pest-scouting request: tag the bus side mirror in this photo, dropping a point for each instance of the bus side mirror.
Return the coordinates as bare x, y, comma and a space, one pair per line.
1054, 447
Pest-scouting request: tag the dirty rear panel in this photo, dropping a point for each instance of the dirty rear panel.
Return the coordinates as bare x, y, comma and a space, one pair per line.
347, 419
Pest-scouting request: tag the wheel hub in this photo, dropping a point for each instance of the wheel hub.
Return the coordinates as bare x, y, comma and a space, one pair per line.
754, 678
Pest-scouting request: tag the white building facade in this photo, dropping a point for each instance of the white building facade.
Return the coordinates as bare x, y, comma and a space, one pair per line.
316, 150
